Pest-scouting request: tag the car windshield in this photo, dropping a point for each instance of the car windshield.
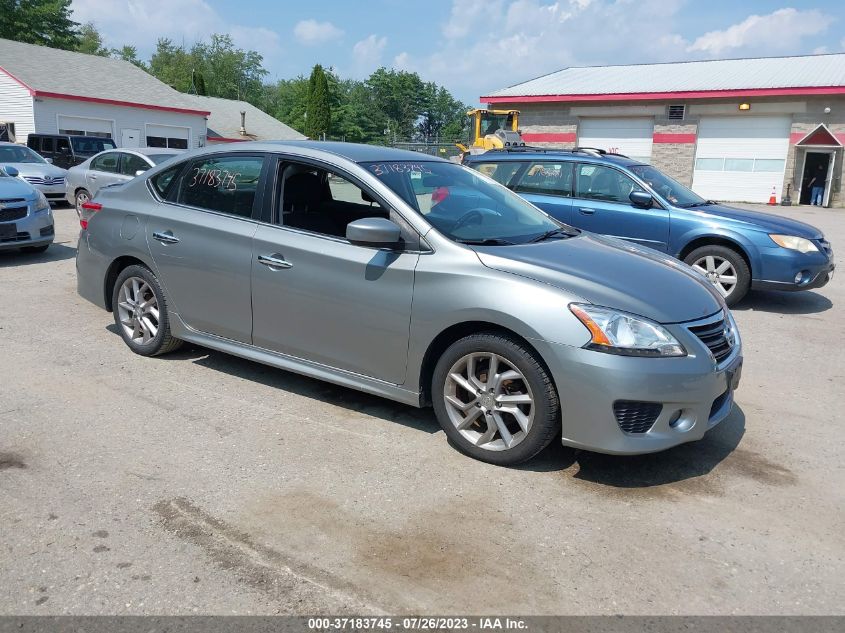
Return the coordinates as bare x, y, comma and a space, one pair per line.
91, 145
671, 190
465, 205
159, 158
18, 154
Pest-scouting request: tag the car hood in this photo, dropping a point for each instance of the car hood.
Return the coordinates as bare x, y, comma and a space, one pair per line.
765, 221
15, 188
38, 169
612, 273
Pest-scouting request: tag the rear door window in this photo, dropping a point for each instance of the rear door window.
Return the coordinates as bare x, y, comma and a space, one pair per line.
546, 178
132, 163
106, 162
227, 184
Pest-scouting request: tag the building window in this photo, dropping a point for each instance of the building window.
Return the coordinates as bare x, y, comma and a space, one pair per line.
676, 112
84, 133
162, 141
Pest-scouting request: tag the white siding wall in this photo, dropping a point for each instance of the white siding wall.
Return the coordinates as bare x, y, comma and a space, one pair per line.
16, 106
47, 111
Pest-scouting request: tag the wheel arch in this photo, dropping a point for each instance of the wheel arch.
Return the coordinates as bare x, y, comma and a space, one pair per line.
719, 240
114, 270
455, 332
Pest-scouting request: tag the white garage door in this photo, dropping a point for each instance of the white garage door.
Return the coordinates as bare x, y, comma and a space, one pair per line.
629, 136
741, 158
85, 126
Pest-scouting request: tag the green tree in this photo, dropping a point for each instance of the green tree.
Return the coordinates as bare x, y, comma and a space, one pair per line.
128, 54
400, 96
45, 22
90, 41
318, 114
199, 84
442, 117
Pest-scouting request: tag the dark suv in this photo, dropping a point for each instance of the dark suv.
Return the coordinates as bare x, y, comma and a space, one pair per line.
67, 150
735, 249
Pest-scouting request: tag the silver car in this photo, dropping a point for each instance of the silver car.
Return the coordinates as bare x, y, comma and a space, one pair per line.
418, 280
110, 167
37, 171
26, 219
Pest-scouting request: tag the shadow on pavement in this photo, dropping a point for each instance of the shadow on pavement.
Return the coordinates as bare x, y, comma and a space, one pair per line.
801, 302
57, 252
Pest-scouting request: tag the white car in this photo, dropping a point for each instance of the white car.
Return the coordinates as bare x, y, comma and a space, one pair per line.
37, 171
110, 167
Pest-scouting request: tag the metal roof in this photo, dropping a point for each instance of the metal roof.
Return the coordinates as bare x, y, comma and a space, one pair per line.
51, 72
224, 120
699, 76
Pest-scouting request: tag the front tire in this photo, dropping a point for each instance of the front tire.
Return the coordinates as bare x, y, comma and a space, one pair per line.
140, 312
725, 268
494, 398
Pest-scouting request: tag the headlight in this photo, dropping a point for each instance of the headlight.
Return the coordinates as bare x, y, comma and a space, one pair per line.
794, 243
616, 332
41, 203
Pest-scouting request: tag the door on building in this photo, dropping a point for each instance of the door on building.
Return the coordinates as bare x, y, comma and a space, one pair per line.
629, 136
741, 158
818, 162
130, 138
818, 172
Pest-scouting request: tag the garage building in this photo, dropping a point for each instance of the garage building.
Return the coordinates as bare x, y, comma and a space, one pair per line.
50, 91
733, 130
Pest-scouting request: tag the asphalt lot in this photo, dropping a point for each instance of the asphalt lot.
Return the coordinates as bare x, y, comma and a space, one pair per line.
202, 483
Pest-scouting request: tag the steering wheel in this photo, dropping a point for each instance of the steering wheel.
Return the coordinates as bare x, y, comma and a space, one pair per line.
467, 218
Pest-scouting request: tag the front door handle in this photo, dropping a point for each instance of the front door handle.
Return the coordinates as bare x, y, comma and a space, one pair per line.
586, 211
166, 238
274, 261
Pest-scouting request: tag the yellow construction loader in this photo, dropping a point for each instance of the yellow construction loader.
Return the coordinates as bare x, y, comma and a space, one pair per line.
492, 129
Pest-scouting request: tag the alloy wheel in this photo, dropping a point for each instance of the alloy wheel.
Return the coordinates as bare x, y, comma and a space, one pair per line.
138, 310
489, 401
719, 271
81, 198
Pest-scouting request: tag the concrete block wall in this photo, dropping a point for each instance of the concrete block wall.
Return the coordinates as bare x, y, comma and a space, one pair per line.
675, 159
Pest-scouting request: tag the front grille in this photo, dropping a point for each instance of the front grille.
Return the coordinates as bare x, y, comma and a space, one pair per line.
45, 180
713, 335
20, 237
634, 416
10, 215
718, 402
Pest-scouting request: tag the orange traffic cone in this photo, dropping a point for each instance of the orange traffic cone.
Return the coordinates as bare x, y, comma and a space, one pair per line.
773, 198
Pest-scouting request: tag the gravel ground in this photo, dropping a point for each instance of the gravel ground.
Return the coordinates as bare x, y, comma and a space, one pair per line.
202, 483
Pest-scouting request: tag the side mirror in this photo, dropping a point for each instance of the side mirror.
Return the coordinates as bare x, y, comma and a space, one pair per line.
14, 173
641, 199
373, 232
49, 160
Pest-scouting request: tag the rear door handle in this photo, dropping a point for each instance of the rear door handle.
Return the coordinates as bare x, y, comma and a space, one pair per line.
274, 261
166, 238
586, 211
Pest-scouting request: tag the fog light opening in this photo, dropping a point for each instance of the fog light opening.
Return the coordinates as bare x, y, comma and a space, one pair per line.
682, 420
674, 419
802, 277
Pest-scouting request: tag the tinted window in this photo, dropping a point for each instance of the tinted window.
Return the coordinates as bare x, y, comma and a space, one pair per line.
163, 181
106, 162
131, 163
222, 183
89, 145
553, 179
47, 145
34, 142
597, 182
502, 173
62, 144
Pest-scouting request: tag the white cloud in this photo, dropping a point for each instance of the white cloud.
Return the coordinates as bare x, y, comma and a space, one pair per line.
142, 22
367, 53
402, 61
779, 31
311, 32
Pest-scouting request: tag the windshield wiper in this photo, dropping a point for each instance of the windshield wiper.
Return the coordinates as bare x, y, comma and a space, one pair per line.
488, 241
703, 203
558, 232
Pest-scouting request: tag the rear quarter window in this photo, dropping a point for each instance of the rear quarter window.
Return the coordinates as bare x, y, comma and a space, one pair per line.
163, 181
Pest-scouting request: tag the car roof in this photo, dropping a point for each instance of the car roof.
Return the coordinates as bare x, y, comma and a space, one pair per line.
355, 152
537, 153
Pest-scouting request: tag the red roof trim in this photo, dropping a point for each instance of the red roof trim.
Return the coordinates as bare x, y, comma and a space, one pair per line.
549, 137
128, 104
31, 91
693, 94
673, 137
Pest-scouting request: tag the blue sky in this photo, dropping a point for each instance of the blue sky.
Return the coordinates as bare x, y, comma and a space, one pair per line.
476, 46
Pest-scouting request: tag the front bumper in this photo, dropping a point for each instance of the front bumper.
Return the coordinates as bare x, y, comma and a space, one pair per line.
694, 393
781, 266
53, 192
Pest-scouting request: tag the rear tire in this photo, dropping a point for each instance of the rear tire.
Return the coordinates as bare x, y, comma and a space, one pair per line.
725, 268
503, 416
140, 312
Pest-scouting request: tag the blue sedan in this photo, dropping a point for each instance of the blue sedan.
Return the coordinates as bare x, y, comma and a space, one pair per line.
604, 193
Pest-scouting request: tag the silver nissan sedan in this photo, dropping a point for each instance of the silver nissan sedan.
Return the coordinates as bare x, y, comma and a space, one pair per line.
418, 280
